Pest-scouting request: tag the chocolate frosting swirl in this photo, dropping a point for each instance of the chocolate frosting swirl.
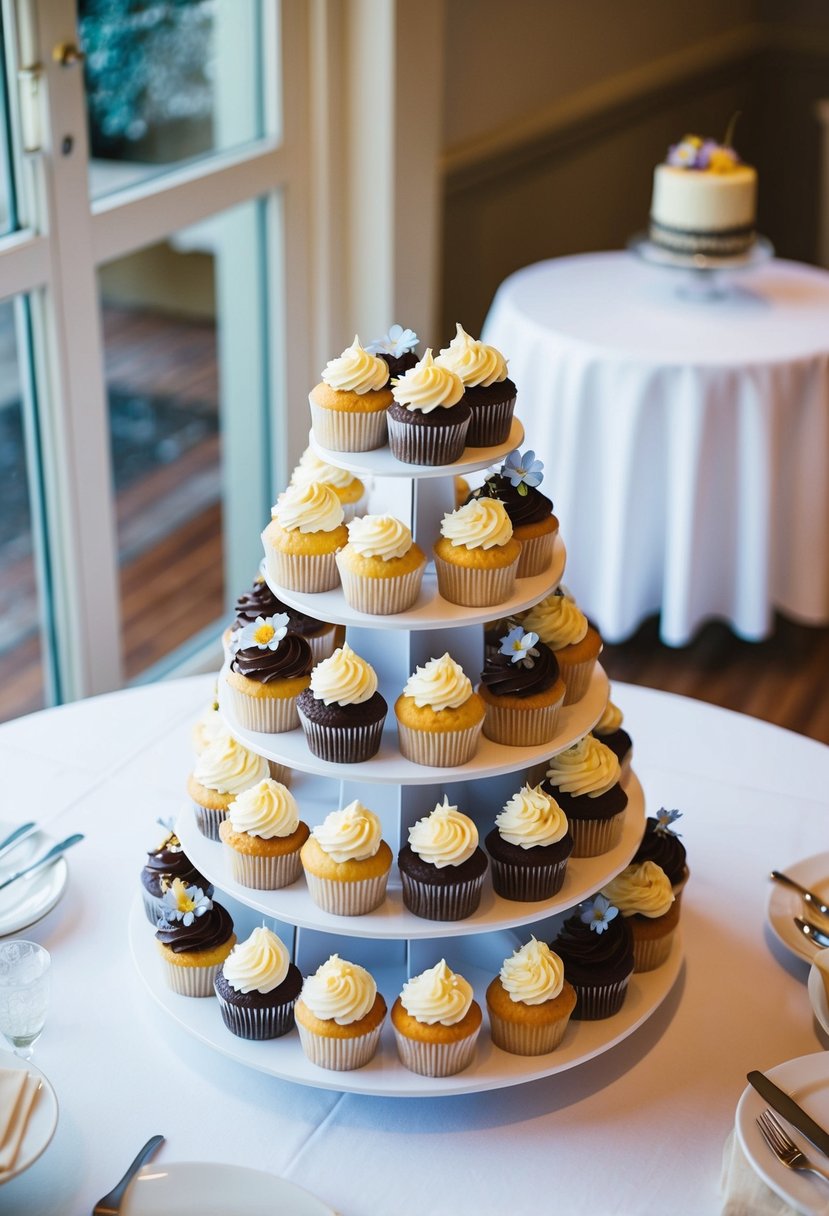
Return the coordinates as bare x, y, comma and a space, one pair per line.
205, 933
595, 958
664, 848
291, 658
261, 601
165, 864
502, 677
529, 508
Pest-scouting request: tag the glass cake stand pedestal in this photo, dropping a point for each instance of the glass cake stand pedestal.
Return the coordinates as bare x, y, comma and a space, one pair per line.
699, 276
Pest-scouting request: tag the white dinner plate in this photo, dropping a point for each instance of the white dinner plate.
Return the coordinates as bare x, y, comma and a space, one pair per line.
784, 904
199, 1188
817, 996
42, 1121
29, 899
807, 1080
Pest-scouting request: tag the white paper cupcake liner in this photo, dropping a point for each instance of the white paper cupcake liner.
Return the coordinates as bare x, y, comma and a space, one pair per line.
576, 677
208, 820
651, 952
436, 1059
347, 898
279, 772
536, 555
521, 728
342, 744
455, 901
432, 445
594, 836
307, 572
339, 1055
263, 873
596, 1001
475, 588
323, 645
257, 1024
490, 424
531, 883
191, 981
439, 749
271, 715
348, 431
526, 1040
380, 596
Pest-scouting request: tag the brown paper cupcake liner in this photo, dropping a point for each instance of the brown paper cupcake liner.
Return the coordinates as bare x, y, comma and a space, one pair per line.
257, 1024
455, 901
270, 715
432, 445
342, 744
307, 572
339, 1055
490, 424
594, 836
536, 555
475, 588
649, 953
521, 728
280, 772
380, 596
191, 981
532, 883
596, 1001
436, 1059
525, 1040
347, 898
262, 873
439, 749
576, 677
208, 820
344, 431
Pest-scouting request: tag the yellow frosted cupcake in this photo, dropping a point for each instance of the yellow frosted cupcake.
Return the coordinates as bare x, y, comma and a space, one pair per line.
263, 834
436, 1022
381, 568
349, 405
306, 531
194, 937
476, 555
347, 862
348, 488
530, 1002
222, 771
643, 895
563, 627
339, 1015
439, 717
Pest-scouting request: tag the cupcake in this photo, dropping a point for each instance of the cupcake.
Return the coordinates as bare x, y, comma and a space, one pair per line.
396, 349
436, 1022
339, 1015
662, 845
530, 512
267, 673
348, 488
349, 405
596, 946
194, 938
221, 772
643, 895
427, 421
262, 835
381, 568
257, 987
442, 868
164, 863
564, 628
487, 389
342, 713
208, 727
306, 531
584, 780
529, 846
439, 717
261, 601
476, 555
608, 730
522, 691
530, 1002
347, 862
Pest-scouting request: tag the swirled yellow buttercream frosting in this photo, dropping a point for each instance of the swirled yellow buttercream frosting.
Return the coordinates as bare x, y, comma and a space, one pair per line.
588, 767
380, 536
343, 677
356, 371
644, 889
228, 767
482, 523
437, 995
531, 818
339, 991
440, 684
311, 469
351, 834
309, 508
446, 837
472, 360
427, 387
610, 720
533, 974
557, 620
258, 964
266, 810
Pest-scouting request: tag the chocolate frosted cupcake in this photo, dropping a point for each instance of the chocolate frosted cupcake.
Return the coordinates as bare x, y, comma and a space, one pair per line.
442, 868
596, 946
563, 627
427, 421
530, 1001
488, 391
165, 863
260, 601
608, 730
529, 846
522, 691
663, 846
396, 349
267, 673
584, 780
342, 713
643, 895
530, 511
348, 406
194, 938
257, 986
476, 554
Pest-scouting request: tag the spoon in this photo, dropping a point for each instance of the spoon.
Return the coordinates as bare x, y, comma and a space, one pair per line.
808, 896
815, 935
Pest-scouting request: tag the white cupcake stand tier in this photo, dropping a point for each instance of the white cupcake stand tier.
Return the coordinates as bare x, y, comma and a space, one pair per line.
391, 942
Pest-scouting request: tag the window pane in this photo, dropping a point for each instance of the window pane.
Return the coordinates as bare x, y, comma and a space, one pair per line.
168, 80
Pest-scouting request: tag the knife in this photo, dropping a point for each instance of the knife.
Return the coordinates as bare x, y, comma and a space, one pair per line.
814, 934
791, 1112
45, 860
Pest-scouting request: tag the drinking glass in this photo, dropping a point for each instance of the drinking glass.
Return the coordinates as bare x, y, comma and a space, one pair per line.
24, 994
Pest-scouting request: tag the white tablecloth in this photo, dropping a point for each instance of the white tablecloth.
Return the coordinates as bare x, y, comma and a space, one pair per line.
638, 1131
686, 442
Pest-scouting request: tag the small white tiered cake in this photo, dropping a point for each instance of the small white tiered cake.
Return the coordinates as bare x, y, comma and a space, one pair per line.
704, 200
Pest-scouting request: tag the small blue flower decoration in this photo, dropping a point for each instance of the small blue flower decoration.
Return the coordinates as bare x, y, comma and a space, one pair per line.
523, 470
664, 819
598, 913
266, 632
185, 903
398, 341
520, 646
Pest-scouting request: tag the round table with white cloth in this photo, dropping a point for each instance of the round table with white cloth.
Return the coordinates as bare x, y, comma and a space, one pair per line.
685, 439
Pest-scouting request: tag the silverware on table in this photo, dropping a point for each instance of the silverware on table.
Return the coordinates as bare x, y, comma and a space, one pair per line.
808, 897
17, 837
110, 1204
786, 1106
45, 860
819, 937
784, 1148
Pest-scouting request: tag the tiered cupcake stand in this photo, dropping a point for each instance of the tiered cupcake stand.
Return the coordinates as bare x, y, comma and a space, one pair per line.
391, 942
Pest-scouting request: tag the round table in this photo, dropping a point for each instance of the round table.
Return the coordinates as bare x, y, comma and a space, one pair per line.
686, 440
638, 1130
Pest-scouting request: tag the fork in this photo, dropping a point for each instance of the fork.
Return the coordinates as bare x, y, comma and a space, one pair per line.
784, 1148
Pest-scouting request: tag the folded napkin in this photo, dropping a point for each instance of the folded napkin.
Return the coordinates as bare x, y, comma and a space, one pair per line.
18, 1091
745, 1193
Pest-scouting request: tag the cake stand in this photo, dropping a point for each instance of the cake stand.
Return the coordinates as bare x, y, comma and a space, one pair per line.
704, 277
